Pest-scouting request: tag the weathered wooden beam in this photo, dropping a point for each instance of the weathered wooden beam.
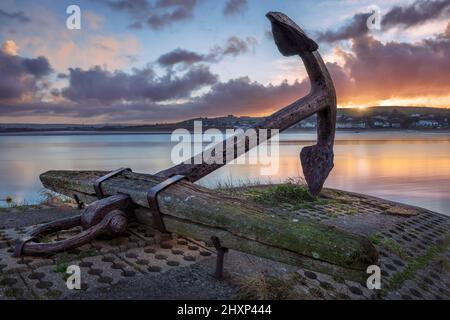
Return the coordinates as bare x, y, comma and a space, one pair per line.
193, 211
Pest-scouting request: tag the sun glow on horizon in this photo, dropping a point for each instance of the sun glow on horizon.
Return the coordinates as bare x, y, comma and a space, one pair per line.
423, 102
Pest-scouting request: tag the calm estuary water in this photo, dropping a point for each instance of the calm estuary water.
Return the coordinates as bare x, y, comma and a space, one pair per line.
409, 167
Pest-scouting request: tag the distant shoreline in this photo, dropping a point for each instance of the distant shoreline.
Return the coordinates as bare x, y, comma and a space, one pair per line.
156, 132
347, 119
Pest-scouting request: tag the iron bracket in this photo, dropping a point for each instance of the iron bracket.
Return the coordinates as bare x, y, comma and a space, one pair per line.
80, 204
152, 195
220, 257
99, 181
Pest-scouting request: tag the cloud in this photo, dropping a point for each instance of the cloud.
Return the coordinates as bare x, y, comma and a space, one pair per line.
9, 47
233, 7
143, 84
417, 13
47, 36
238, 96
93, 20
134, 6
234, 46
170, 11
136, 25
21, 76
243, 97
182, 56
356, 27
155, 14
446, 33
18, 16
114, 52
370, 71
374, 71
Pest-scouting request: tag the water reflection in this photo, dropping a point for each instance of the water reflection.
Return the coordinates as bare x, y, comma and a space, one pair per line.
408, 167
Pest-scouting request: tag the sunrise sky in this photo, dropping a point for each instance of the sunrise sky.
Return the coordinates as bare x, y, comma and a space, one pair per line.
148, 61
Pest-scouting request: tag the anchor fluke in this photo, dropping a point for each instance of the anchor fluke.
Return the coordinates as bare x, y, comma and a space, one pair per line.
289, 37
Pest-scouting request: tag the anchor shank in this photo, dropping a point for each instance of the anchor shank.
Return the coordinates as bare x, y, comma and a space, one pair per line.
317, 161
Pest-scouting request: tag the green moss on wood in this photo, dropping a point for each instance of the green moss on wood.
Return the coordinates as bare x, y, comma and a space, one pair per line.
248, 225
389, 244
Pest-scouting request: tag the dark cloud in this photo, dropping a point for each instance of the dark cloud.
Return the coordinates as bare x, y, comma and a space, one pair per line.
55, 92
62, 76
242, 97
155, 14
376, 71
20, 76
417, 13
234, 46
133, 6
234, 6
136, 25
143, 84
180, 56
37, 67
356, 27
168, 12
18, 16
239, 96
371, 71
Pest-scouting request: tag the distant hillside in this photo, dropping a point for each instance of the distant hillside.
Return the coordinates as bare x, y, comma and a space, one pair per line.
393, 117
371, 111
347, 118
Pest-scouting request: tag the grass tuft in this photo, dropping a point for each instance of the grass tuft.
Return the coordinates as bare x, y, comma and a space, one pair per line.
61, 267
263, 287
291, 195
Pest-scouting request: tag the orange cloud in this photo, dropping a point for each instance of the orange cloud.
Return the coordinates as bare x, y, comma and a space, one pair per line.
373, 72
94, 21
48, 36
111, 52
9, 47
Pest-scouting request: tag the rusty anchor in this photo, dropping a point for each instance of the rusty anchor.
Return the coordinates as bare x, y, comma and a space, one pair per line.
110, 215
317, 160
